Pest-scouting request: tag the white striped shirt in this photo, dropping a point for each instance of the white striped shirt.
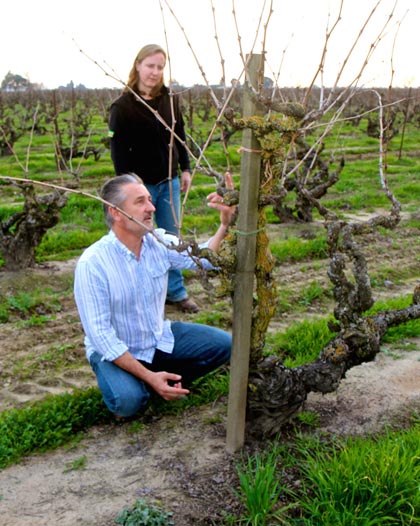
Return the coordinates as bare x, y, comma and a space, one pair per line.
121, 300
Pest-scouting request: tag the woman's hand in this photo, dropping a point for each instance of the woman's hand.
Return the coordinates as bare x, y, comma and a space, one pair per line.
185, 181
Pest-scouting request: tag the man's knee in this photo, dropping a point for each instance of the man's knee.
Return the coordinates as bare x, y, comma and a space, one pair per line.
126, 405
226, 347
224, 355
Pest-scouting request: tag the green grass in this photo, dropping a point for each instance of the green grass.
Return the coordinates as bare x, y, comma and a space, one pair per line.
301, 342
310, 293
260, 489
217, 317
60, 357
28, 303
363, 481
295, 249
76, 465
60, 419
143, 513
397, 276
46, 425
81, 224
409, 329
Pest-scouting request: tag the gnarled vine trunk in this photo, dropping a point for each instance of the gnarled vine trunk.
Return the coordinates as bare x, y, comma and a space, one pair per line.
276, 392
21, 233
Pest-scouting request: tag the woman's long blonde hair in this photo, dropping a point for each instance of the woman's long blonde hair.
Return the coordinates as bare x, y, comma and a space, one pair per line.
133, 76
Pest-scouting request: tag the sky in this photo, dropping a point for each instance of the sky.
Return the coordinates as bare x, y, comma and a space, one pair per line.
94, 42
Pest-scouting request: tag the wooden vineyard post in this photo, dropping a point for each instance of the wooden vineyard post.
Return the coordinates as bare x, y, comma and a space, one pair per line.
244, 276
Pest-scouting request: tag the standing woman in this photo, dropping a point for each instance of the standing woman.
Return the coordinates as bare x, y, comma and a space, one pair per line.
140, 143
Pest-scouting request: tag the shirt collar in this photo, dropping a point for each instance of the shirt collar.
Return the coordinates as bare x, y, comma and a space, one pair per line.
121, 247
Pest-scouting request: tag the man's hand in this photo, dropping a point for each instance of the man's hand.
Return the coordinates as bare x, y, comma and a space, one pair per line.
214, 200
160, 383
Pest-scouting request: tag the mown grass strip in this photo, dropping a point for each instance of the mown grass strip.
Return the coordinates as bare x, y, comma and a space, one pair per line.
48, 424
60, 419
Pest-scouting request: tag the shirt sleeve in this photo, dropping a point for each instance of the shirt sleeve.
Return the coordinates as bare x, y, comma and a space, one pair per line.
185, 259
93, 303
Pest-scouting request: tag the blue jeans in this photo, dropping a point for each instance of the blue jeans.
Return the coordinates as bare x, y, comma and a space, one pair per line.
198, 350
164, 218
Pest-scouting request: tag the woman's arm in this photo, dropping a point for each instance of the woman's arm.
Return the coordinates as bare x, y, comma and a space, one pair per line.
118, 141
184, 160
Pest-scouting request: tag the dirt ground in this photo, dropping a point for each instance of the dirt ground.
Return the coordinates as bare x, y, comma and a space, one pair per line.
180, 462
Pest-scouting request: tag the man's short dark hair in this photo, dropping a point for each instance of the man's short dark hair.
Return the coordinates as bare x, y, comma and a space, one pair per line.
113, 193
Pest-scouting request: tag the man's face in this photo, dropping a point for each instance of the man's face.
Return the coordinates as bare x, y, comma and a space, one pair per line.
138, 205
